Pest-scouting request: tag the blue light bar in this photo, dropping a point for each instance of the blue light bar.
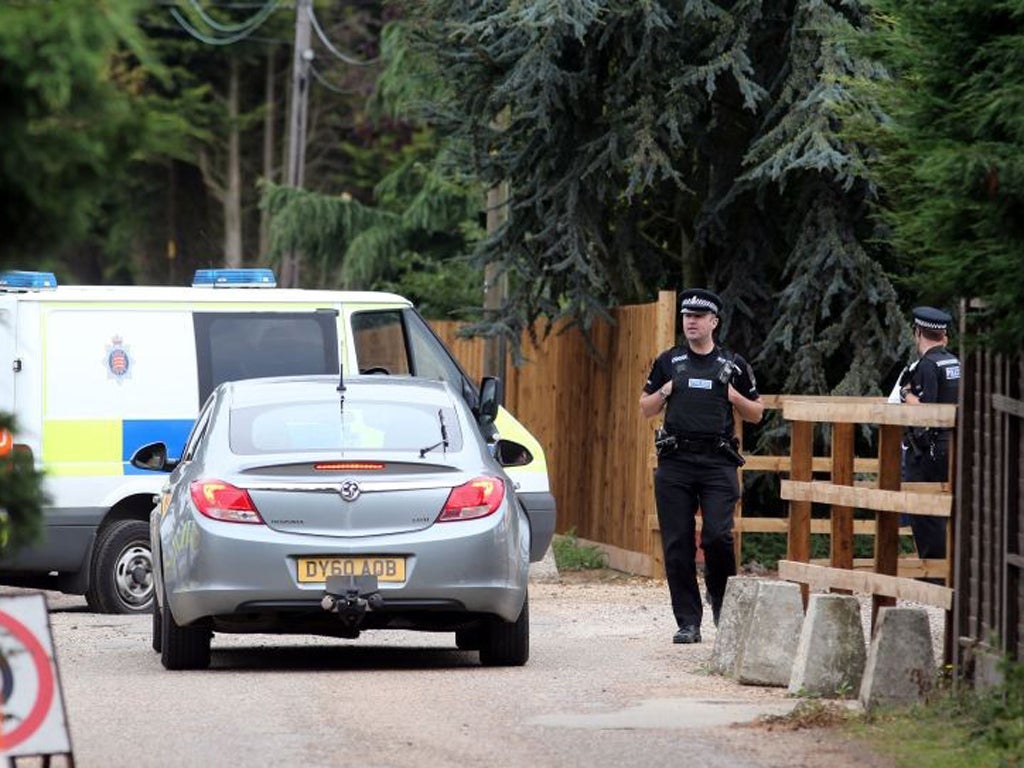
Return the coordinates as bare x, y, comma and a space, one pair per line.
22, 280
234, 278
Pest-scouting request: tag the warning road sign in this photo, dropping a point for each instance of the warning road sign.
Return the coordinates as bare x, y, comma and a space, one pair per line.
32, 708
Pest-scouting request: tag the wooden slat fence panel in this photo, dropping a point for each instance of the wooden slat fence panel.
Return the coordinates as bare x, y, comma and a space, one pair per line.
989, 516
583, 408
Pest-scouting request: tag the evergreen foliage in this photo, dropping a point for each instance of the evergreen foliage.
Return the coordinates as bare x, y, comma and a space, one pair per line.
21, 496
951, 152
407, 217
408, 240
671, 143
79, 112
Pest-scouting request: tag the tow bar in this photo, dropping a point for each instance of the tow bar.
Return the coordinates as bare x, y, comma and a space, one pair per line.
350, 597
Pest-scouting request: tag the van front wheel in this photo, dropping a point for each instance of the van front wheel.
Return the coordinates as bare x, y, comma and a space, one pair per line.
122, 569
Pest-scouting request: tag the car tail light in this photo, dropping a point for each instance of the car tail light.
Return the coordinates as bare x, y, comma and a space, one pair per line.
222, 501
477, 498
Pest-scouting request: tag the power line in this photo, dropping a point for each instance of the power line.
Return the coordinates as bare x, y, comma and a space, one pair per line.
328, 85
268, 7
245, 29
327, 43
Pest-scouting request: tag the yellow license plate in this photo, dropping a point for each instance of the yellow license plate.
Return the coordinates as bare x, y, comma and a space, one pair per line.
317, 569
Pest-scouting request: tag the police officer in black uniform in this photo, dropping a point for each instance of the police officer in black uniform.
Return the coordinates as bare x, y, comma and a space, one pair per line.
934, 378
698, 384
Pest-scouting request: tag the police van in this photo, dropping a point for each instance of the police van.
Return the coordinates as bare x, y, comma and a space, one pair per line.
98, 371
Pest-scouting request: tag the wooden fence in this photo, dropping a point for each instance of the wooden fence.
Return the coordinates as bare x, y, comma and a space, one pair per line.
988, 606
887, 496
583, 408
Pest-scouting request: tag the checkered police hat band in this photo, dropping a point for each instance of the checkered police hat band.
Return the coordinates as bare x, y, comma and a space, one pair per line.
702, 305
931, 325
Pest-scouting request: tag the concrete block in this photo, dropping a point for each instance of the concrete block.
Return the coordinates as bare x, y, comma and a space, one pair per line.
830, 654
769, 643
737, 605
901, 662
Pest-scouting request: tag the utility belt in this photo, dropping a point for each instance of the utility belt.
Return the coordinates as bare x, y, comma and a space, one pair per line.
666, 443
921, 441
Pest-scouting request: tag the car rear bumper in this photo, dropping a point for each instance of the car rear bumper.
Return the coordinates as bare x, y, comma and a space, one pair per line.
222, 569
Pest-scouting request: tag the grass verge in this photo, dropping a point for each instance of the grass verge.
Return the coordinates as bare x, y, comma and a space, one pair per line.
954, 729
570, 555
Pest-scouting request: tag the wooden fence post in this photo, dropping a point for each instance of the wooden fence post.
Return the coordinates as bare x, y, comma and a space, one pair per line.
801, 448
887, 524
841, 554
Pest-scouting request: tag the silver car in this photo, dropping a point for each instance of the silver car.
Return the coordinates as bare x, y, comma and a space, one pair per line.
329, 506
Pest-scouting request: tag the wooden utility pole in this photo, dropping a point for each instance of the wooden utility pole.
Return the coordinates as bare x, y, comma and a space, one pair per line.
495, 281
495, 284
302, 57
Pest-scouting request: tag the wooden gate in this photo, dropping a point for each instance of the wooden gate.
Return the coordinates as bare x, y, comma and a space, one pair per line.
989, 555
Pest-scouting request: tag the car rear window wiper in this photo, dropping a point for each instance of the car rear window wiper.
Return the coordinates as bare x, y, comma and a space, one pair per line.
444, 437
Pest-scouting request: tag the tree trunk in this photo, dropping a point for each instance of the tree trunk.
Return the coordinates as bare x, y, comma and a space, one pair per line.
269, 116
233, 196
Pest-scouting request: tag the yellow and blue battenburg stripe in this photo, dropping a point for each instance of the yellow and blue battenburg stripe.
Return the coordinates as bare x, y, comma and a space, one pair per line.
80, 447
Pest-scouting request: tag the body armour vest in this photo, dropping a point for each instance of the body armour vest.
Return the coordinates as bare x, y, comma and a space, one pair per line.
699, 405
949, 374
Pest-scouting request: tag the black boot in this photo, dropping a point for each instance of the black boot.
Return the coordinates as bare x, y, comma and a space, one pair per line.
688, 634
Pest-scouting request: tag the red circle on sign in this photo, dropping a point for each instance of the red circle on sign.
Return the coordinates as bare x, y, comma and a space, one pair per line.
6, 441
44, 697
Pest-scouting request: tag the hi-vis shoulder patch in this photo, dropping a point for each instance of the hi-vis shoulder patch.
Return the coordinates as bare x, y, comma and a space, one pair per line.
952, 372
700, 383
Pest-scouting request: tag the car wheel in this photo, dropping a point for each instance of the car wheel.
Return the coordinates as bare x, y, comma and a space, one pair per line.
183, 647
157, 626
468, 639
122, 569
506, 643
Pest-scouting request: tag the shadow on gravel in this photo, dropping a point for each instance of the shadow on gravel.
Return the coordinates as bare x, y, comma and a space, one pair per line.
348, 658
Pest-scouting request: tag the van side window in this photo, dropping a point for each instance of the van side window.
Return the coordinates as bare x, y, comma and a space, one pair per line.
252, 345
379, 341
400, 341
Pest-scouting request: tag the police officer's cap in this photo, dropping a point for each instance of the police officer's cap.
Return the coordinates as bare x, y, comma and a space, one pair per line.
931, 318
697, 301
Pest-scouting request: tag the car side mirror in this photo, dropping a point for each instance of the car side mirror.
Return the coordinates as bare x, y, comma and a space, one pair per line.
492, 397
509, 453
153, 457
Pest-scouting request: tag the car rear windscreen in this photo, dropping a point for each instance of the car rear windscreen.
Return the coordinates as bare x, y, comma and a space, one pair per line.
326, 426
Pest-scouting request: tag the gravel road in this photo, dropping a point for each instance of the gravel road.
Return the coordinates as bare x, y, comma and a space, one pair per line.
604, 687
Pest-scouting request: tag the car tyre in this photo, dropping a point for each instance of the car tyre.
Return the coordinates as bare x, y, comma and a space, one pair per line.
468, 639
157, 626
182, 647
506, 643
121, 577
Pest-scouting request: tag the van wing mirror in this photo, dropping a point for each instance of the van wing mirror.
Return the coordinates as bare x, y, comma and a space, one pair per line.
492, 397
153, 457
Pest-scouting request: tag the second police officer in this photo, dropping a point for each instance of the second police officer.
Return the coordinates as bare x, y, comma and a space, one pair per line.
933, 378
698, 384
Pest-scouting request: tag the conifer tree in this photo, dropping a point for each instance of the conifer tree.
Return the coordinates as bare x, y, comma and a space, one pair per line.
669, 143
950, 152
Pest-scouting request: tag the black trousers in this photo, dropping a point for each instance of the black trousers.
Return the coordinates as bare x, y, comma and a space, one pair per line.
929, 532
682, 483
